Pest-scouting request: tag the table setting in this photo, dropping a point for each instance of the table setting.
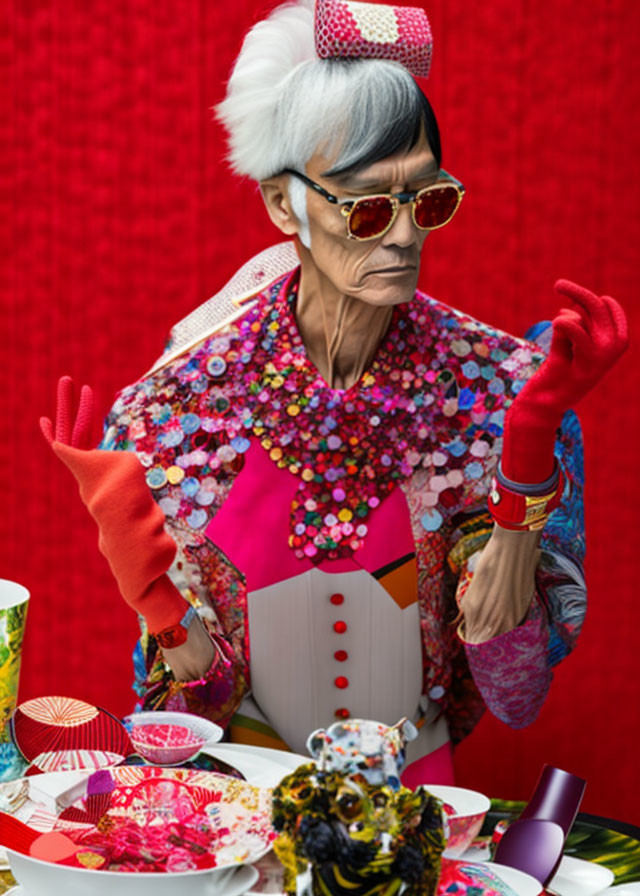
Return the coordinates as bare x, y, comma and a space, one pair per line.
138, 813
158, 803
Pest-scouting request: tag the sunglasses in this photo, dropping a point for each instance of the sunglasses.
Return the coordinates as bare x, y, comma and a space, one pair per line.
372, 216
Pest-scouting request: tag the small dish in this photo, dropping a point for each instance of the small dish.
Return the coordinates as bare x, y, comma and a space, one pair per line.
577, 877
465, 811
260, 766
170, 738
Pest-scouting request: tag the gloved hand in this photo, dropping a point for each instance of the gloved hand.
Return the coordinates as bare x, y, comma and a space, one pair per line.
587, 340
132, 534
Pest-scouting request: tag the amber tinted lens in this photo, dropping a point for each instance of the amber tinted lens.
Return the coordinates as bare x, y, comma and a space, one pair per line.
436, 206
369, 217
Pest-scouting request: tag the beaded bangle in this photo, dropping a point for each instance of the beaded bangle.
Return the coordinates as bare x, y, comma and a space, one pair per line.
524, 507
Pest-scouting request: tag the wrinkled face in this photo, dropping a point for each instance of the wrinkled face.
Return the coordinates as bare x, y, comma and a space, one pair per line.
383, 270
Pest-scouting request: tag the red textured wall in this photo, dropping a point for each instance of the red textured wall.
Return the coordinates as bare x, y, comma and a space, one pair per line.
117, 216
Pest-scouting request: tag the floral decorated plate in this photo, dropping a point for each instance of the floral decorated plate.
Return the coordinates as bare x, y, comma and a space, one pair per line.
142, 829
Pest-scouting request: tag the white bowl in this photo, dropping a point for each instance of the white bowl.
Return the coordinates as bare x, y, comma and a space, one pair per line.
44, 878
240, 821
205, 732
464, 824
577, 877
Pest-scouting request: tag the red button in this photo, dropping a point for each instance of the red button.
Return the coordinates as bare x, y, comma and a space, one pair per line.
342, 713
337, 599
340, 627
341, 682
341, 655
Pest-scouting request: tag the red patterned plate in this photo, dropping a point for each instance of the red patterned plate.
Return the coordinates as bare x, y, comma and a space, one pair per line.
65, 733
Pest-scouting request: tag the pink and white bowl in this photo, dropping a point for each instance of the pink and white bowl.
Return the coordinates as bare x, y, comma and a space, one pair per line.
464, 811
170, 738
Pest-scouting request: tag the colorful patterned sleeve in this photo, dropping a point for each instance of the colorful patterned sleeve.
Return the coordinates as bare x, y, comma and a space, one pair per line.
219, 692
204, 579
215, 696
513, 670
560, 579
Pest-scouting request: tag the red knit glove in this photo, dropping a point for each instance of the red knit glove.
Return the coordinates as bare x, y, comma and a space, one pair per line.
113, 486
587, 340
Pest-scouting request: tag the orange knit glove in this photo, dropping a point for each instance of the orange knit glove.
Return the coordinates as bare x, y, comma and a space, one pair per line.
113, 487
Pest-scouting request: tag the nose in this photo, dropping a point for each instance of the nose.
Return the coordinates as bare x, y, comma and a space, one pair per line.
403, 231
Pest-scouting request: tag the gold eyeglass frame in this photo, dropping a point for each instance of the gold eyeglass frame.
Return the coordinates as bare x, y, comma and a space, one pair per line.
348, 206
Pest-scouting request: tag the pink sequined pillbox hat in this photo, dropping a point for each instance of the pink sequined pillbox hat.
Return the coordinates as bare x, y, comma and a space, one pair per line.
351, 29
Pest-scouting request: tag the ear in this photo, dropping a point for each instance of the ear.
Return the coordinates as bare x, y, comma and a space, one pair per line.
407, 729
316, 741
276, 199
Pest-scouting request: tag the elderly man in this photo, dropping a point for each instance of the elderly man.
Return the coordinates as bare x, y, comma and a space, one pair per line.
295, 498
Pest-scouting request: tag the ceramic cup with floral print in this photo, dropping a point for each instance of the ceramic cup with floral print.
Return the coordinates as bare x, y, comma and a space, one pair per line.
465, 811
14, 600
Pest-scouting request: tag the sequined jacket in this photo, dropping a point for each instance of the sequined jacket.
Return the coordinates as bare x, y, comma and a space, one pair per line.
423, 425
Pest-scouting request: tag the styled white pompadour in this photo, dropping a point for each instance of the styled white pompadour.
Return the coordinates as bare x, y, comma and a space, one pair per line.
283, 103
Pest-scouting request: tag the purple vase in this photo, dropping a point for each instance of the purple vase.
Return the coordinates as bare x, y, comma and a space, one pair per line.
557, 797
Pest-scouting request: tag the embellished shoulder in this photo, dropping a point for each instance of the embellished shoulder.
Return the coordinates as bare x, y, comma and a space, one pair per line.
232, 302
470, 328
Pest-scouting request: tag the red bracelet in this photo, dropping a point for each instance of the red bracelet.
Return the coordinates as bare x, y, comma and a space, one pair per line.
176, 635
513, 509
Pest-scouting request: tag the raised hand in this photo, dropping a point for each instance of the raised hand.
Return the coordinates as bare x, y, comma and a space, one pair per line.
79, 434
132, 534
587, 341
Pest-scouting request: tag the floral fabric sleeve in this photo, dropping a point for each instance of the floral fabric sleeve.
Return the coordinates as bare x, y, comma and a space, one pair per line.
215, 696
204, 577
219, 692
513, 670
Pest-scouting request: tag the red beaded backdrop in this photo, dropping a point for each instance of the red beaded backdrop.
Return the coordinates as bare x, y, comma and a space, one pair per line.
118, 215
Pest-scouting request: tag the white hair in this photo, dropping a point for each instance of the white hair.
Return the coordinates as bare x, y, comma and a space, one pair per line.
283, 103
298, 199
